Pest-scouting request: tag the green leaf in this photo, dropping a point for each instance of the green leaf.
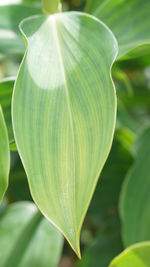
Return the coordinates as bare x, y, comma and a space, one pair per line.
4, 156
135, 197
6, 89
11, 41
64, 110
27, 238
106, 246
135, 256
128, 20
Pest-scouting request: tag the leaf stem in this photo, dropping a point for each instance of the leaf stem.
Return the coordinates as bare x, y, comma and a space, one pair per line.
51, 6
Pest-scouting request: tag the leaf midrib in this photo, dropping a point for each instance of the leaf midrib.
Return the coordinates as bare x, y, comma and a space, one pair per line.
56, 34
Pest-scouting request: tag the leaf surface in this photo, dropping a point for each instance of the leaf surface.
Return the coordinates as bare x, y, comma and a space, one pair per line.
135, 256
128, 20
27, 238
4, 156
64, 114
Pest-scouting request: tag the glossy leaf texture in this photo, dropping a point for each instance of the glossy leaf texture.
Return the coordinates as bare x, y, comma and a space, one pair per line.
27, 238
64, 114
135, 256
135, 198
11, 41
6, 89
4, 156
128, 20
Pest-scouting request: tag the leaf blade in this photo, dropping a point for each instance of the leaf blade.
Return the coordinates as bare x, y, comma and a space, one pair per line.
134, 256
65, 117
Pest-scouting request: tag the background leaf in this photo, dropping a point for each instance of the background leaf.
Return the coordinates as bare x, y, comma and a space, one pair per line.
105, 199
18, 188
64, 130
101, 234
4, 156
128, 20
27, 238
11, 41
135, 198
135, 256
107, 245
6, 88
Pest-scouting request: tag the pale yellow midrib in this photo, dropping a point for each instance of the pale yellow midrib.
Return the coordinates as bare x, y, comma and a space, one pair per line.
56, 35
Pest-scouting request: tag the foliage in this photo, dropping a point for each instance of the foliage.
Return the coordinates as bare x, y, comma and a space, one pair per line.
74, 106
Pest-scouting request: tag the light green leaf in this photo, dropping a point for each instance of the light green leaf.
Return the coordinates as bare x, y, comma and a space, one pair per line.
64, 110
135, 197
11, 41
27, 238
6, 89
128, 20
4, 156
135, 256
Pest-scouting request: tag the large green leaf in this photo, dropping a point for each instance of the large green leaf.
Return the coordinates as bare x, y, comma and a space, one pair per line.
64, 110
135, 256
135, 197
6, 89
4, 156
129, 21
10, 16
27, 238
